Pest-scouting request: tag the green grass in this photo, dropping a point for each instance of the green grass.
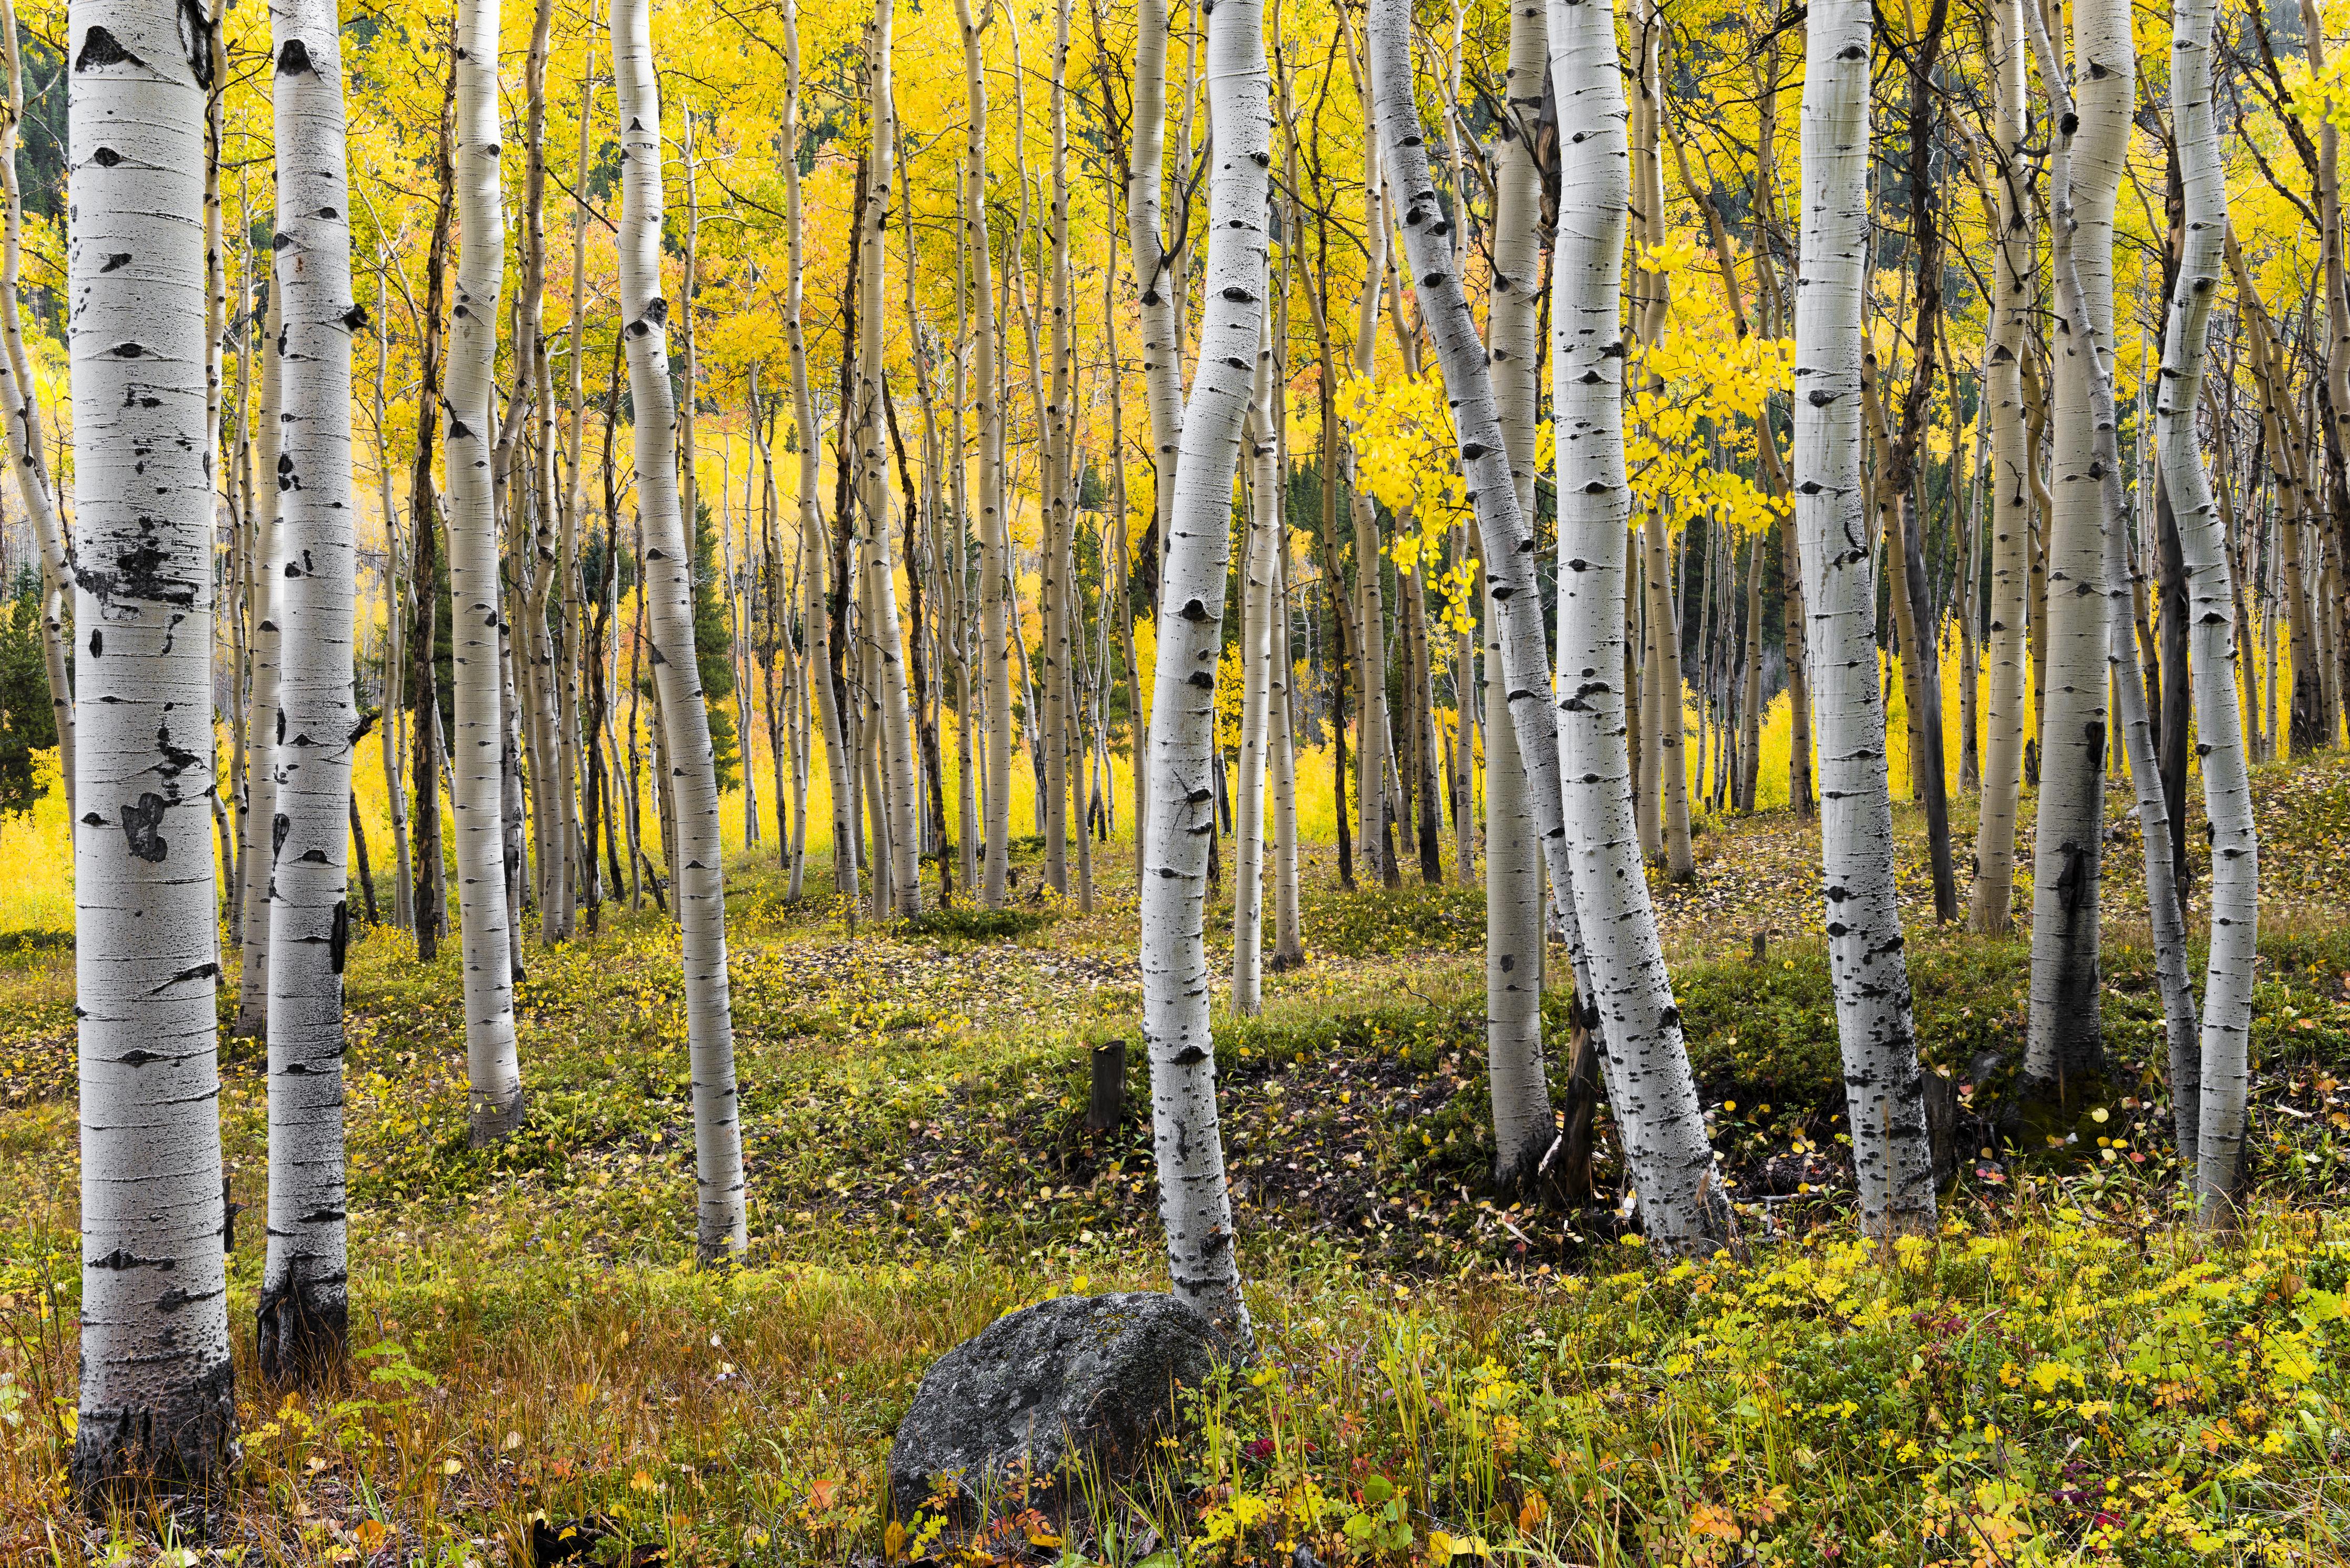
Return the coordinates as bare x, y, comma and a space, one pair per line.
1437, 1369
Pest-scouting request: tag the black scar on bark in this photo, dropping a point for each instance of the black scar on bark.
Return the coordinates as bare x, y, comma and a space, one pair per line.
294, 57
116, 261
142, 820
100, 48
339, 937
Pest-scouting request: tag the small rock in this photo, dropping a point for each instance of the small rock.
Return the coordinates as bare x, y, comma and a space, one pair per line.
1091, 1378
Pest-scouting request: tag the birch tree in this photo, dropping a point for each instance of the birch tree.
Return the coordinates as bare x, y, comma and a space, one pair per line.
1892, 1159
669, 600
302, 1311
157, 1403
1259, 566
1514, 890
1627, 995
882, 636
1195, 1204
994, 547
2064, 1053
2223, 1073
476, 759
2015, 296
20, 413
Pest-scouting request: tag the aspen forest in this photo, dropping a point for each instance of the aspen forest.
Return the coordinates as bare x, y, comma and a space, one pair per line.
1281, 783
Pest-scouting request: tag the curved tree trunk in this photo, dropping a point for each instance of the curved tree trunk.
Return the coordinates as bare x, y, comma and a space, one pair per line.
302, 1311
1892, 1160
157, 1403
2017, 296
1628, 993
492, 1074
2223, 1073
1195, 1204
669, 602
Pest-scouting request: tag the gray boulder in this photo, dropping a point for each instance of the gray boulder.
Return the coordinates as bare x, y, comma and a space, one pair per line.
1089, 1378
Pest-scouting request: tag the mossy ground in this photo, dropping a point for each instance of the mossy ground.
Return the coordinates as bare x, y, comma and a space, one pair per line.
2065, 1373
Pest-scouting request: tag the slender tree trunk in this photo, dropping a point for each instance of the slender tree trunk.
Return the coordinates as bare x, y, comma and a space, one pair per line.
479, 779
669, 604
1514, 883
2219, 1080
157, 1404
2015, 292
1256, 656
1194, 1203
1892, 1159
883, 636
1652, 301
2064, 1053
302, 1313
1625, 993
252, 1022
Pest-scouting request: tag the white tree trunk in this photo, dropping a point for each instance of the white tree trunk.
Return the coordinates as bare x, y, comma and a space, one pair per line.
302, 1311
1257, 571
157, 1403
1194, 1202
2064, 1053
20, 413
1892, 1159
1371, 761
492, 1074
1514, 890
1627, 993
719, 1229
813, 553
2224, 1074
2016, 297
252, 1021
994, 548
900, 780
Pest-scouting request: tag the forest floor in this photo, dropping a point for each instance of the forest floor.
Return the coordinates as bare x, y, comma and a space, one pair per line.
2066, 1373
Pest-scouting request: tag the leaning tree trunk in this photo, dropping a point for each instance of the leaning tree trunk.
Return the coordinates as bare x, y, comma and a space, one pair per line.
157, 1403
669, 602
1194, 1202
476, 759
1586, 770
2015, 296
1514, 890
302, 1313
2064, 1052
1892, 1159
2225, 1066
